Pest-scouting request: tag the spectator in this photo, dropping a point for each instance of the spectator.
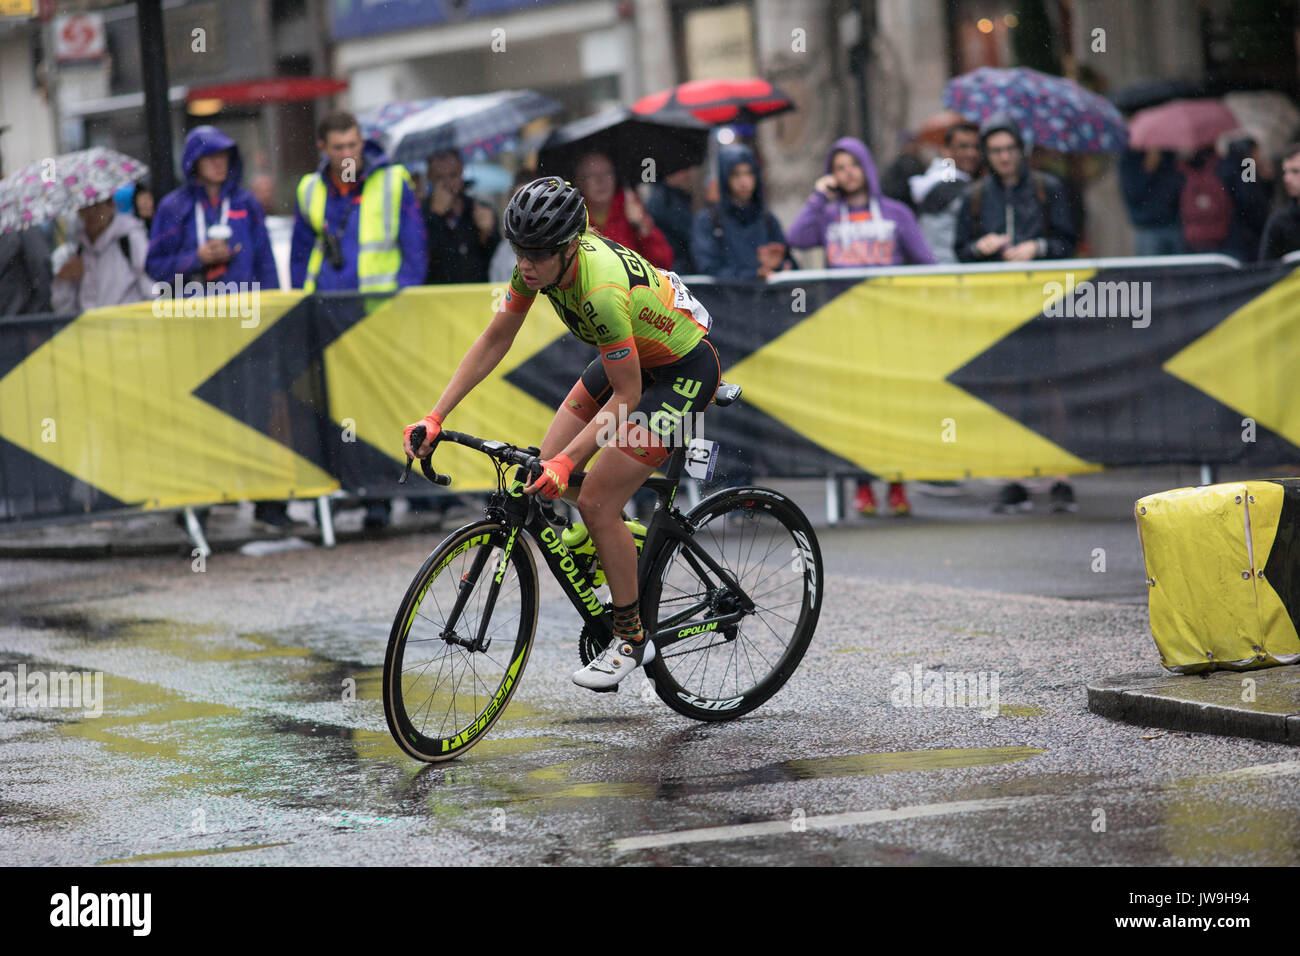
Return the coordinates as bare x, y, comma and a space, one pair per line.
617, 213
142, 206
24, 273
739, 237
671, 207
1152, 184
1250, 196
212, 195
1012, 213
1018, 214
462, 232
937, 193
181, 251
848, 214
357, 226
860, 227
502, 266
895, 180
107, 267
1282, 231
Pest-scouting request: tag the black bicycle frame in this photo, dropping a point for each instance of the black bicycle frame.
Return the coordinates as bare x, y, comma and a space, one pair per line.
523, 513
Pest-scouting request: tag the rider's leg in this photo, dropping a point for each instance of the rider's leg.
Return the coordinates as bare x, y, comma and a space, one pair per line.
606, 489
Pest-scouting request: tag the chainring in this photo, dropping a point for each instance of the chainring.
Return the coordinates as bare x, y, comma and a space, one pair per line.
593, 640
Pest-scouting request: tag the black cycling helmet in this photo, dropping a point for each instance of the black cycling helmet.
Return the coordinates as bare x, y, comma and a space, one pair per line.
545, 214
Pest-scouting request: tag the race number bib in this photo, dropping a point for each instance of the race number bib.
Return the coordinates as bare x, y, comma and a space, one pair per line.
701, 457
682, 299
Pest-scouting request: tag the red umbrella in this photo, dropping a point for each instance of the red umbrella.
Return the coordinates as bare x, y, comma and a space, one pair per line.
718, 102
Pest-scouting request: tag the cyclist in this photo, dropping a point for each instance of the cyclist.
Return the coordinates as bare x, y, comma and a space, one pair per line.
654, 359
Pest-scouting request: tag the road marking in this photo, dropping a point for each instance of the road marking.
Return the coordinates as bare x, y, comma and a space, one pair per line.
1286, 767
823, 822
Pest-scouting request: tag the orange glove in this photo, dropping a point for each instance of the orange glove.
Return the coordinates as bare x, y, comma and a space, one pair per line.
554, 479
432, 423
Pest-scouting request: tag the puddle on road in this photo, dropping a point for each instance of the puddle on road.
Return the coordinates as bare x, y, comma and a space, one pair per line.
1221, 826
186, 854
562, 781
1019, 710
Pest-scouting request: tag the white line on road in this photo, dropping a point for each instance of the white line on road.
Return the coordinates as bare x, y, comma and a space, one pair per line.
823, 822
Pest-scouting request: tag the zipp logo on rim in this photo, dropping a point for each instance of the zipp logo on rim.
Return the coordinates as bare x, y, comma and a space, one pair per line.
705, 704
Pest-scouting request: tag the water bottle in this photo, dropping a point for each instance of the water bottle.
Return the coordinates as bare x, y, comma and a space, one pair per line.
583, 549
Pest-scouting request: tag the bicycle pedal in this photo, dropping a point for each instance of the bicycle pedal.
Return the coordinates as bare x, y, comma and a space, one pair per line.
613, 689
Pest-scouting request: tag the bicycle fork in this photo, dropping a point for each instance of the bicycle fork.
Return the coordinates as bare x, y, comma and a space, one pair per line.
480, 642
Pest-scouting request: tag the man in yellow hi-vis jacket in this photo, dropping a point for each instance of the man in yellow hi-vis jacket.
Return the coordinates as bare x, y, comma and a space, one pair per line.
357, 228
357, 225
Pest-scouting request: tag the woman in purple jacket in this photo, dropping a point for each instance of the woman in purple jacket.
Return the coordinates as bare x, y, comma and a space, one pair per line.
860, 228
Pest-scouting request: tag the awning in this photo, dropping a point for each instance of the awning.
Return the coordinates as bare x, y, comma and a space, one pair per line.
278, 89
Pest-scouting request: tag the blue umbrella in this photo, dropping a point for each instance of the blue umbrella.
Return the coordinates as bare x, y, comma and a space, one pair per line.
376, 123
1053, 112
467, 123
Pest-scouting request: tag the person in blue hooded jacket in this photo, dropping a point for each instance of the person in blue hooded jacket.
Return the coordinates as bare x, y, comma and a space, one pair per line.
179, 244
738, 237
186, 258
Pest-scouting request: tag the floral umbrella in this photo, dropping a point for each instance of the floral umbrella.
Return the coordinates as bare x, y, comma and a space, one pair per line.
1053, 112
50, 187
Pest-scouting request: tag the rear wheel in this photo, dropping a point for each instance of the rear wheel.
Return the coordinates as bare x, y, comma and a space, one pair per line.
442, 690
721, 669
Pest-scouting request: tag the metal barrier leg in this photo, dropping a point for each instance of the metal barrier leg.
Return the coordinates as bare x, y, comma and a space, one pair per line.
693, 496
195, 531
1207, 474
326, 521
834, 501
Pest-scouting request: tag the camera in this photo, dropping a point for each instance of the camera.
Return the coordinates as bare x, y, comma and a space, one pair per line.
333, 249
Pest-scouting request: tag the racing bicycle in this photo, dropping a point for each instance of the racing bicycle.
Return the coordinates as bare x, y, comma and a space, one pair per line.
730, 594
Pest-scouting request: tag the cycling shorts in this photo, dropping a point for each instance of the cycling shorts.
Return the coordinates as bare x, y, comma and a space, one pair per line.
672, 399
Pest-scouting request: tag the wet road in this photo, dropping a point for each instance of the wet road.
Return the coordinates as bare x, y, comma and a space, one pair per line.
226, 738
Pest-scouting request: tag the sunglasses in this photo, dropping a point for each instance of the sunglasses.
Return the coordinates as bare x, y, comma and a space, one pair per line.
533, 254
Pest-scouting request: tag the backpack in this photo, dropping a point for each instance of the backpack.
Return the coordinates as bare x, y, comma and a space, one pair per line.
1204, 207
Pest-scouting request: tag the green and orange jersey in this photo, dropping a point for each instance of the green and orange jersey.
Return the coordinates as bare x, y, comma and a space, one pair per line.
619, 299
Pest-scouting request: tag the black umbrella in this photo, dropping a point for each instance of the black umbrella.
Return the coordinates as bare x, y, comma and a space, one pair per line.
1139, 96
673, 143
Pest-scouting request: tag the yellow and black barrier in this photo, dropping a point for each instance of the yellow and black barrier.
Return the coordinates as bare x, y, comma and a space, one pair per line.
1066, 367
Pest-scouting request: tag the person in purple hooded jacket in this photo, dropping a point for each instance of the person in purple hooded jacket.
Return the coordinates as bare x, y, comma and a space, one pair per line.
860, 227
857, 223
179, 243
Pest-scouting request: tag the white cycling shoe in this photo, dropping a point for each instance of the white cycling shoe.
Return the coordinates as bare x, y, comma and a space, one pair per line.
615, 662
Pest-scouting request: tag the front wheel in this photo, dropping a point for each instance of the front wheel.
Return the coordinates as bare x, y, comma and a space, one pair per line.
729, 642
448, 675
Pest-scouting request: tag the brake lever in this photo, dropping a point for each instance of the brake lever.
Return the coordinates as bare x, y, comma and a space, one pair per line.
417, 439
